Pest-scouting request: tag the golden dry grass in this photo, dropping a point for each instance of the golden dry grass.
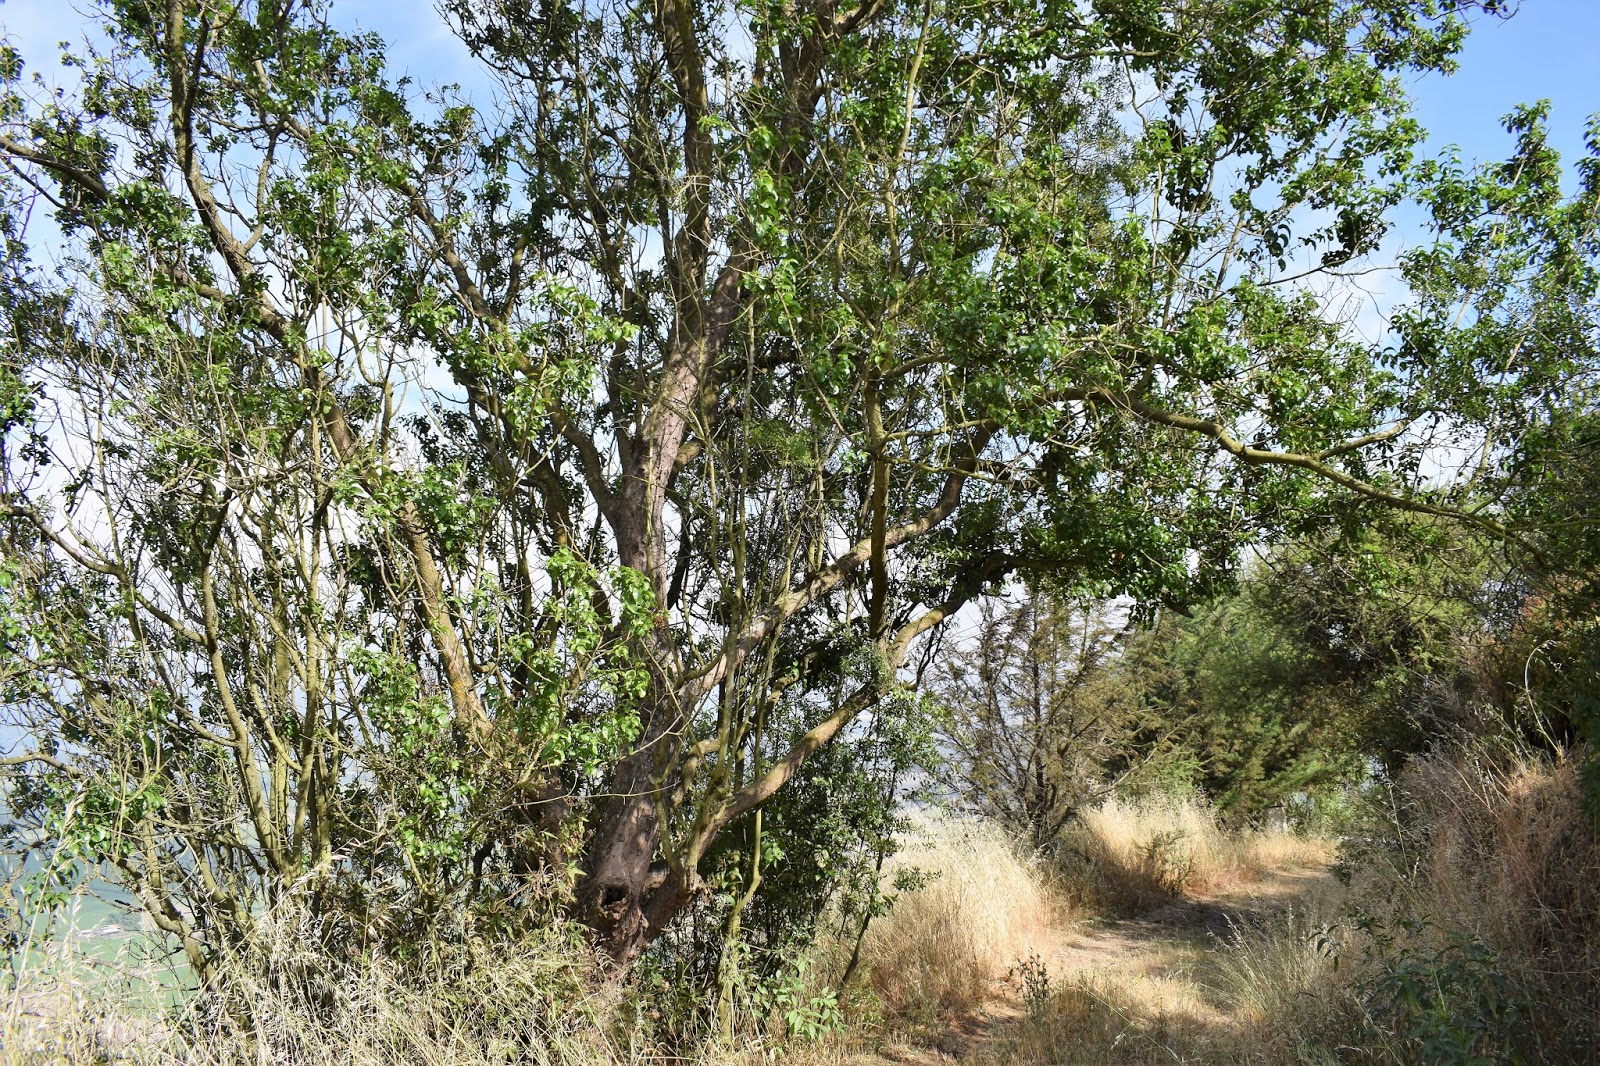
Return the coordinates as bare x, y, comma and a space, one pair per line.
1500, 850
1267, 993
1093, 1018
533, 1004
1127, 856
982, 907
1512, 857
66, 999
985, 906
1495, 849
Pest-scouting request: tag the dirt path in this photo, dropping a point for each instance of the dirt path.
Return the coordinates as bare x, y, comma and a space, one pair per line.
1147, 965
1133, 945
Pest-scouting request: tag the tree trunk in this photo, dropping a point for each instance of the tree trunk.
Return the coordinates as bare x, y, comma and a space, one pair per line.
625, 894
621, 879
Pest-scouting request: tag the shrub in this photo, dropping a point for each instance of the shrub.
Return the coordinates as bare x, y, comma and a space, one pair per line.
1449, 1006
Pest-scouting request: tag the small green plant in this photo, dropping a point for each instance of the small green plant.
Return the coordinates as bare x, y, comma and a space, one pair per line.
1036, 990
1449, 1006
1168, 862
807, 1015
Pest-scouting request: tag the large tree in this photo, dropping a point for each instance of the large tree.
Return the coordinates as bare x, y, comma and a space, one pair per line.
413, 500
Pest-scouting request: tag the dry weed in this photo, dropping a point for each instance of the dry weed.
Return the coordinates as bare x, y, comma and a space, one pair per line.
1500, 849
1115, 1019
283, 1001
1127, 856
981, 908
61, 1010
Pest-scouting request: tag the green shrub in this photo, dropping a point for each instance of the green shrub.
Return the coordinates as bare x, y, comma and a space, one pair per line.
1452, 1005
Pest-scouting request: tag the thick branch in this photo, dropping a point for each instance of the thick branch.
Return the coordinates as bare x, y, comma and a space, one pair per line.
79, 178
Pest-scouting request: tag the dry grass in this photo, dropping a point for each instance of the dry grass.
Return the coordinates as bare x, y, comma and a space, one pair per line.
65, 998
1268, 994
1496, 850
1128, 856
986, 907
1290, 986
1512, 857
982, 908
535, 1004
60, 1011
1110, 1020
1500, 849
1282, 968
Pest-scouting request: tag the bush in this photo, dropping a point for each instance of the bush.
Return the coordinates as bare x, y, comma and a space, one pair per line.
1449, 1006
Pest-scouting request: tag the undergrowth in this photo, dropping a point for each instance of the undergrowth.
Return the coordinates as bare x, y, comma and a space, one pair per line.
1129, 856
1467, 934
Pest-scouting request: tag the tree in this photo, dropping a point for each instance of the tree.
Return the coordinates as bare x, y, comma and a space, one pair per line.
1336, 653
1037, 716
414, 501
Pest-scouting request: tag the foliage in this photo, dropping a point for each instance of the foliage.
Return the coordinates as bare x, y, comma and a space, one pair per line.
1035, 713
1336, 653
805, 1016
420, 507
1452, 1005
1550, 646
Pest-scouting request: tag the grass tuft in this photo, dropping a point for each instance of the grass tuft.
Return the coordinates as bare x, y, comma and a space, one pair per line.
981, 908
1129, 856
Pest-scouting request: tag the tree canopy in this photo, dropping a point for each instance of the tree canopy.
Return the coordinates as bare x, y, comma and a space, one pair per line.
415, 501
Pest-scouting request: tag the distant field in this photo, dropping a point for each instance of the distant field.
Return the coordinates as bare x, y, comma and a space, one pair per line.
96, 924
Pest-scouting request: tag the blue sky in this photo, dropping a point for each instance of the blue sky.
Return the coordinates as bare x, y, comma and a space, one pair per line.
1550, 49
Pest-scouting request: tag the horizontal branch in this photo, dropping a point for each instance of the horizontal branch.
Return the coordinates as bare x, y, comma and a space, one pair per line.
36, 756
1314, 464
81, 179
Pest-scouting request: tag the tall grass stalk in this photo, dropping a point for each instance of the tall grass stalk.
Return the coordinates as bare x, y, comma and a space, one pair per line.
981, 908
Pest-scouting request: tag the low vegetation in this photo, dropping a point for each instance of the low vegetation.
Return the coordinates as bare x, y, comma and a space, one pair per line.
542, 1003
1130, 856
981, 905
1465, 927
1467, 933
